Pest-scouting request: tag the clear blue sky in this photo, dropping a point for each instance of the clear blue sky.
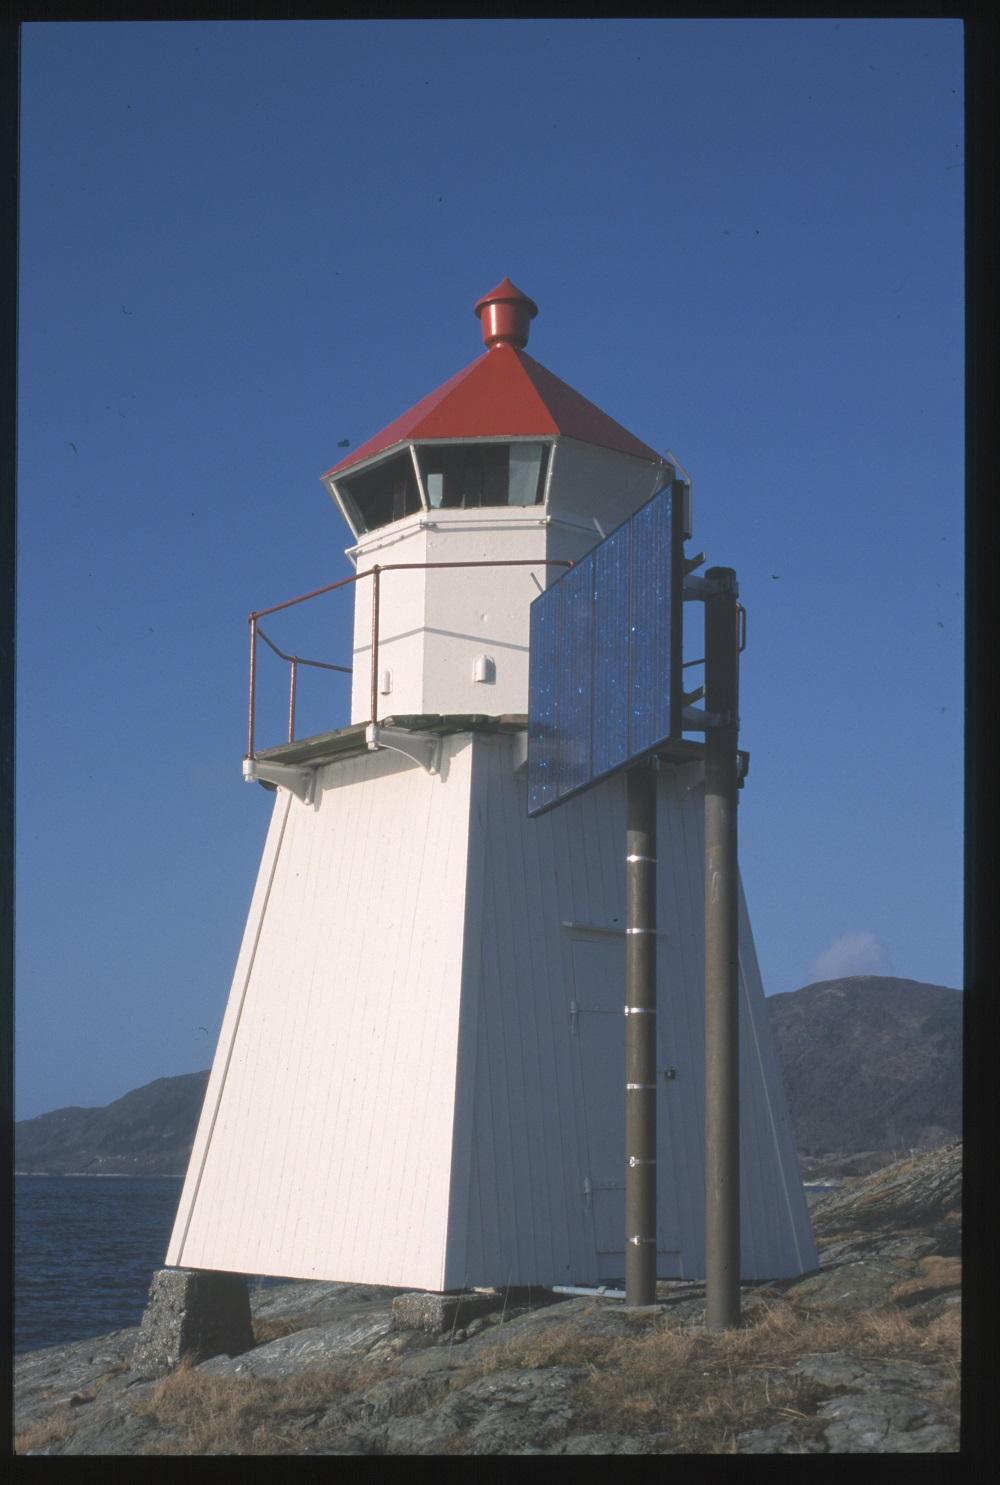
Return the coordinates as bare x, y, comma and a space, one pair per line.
241, 243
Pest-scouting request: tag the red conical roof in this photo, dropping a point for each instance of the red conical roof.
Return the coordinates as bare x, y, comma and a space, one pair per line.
505, 393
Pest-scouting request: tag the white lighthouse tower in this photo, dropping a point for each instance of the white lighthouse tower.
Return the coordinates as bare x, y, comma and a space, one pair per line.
418, 1080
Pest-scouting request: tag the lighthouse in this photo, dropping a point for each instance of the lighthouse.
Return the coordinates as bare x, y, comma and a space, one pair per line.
418, 1080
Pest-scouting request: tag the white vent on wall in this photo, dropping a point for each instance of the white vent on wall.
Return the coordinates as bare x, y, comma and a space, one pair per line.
385, 682
484, 669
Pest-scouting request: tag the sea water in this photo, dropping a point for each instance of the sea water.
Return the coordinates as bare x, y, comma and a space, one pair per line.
85, 1249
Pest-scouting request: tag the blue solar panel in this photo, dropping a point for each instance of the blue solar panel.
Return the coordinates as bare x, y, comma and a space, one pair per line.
649, 625
611, 649
604, 684
544, 669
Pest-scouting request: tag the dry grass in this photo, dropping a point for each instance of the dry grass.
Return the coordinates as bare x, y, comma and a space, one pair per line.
699, 1388
60, 1424
775, 1332
704, 1388
54, 1428
228, 1415
935, 1273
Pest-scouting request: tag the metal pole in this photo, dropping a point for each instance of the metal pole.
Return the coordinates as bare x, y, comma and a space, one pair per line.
253, 685
375, 604
722, 1106
640, 1035
293, 676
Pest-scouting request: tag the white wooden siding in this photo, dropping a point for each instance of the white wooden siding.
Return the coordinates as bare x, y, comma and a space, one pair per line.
402, 622
324, 1146
546, 902
400, 1094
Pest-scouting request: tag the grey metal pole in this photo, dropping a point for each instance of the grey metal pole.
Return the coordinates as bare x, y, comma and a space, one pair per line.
640, 1035
722, 1100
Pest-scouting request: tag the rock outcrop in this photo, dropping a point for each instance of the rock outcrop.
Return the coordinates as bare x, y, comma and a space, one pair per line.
859, 1357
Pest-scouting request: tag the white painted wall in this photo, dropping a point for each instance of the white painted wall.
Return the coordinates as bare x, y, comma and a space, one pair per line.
538, 1182
324, 1144
401, 1093
434, 624
402, 637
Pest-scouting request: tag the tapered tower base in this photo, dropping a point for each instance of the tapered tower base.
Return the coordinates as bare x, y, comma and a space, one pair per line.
419, 1078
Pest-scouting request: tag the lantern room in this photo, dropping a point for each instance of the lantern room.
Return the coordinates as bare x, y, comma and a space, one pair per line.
470, 503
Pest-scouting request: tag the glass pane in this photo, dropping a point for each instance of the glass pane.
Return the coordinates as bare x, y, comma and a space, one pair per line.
525, 472
384, 494
472, 483
496, 473
468, 476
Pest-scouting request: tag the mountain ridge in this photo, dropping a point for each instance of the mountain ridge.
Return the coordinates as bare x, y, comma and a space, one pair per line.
870, 1063
871, 1066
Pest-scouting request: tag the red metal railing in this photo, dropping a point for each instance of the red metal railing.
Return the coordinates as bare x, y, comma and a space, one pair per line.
294, 661
375, 573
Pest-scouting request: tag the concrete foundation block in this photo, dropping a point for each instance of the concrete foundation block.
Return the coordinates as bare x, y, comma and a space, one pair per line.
438, 1313
195, 1314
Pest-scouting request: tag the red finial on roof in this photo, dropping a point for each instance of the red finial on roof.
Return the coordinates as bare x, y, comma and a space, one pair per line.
505, 314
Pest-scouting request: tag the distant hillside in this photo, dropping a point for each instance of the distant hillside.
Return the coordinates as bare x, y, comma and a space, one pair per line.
147, 1132
871, 1065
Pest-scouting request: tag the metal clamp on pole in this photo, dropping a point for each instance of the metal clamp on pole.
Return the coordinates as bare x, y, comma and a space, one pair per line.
695, 588
717, 580
722, 1117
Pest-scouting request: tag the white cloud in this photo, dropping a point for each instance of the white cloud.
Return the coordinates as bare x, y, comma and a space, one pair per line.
859, 953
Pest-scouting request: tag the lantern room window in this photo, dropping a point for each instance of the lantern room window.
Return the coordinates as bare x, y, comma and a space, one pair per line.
467, 476
463, 476
383, 494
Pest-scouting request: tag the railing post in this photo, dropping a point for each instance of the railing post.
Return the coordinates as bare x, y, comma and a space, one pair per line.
376, 570
293, 673
253, 684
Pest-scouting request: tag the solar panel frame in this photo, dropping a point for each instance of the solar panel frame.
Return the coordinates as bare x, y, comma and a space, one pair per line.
604, 686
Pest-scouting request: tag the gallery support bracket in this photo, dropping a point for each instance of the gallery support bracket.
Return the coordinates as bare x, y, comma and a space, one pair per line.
422, 747
301, 781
